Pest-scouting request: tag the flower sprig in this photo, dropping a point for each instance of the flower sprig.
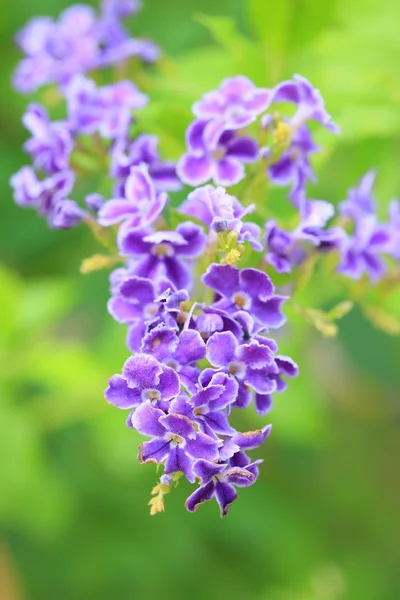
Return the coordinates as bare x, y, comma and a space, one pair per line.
198, 299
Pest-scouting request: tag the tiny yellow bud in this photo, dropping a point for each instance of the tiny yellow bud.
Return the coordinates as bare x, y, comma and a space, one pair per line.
97, 262
282, 134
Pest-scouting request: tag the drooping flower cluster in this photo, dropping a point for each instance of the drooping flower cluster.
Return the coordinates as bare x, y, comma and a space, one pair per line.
193, 289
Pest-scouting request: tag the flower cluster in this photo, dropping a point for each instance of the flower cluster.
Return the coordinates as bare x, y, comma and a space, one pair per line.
194, 288
78, 42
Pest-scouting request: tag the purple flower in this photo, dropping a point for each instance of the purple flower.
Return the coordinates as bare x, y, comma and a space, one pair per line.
249, 290
120, 8
214, 392
144, 149
141, 206
215, 153
394, 224
175, 440
55, 51
163, 253
285, 250
116, 45
287, 367
253, 365
362, 252
143, 379
133, 300
208, 203
308, 100
41, 195
360, 199
142, 304
294, 167
219, 481
237, 102
107, 110
94, 202
67, 214
50, 144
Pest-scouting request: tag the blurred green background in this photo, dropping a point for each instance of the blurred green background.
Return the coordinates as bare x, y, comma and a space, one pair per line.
323, 522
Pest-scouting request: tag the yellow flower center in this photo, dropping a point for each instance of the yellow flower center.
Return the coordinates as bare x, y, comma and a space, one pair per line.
282, 134
232, 257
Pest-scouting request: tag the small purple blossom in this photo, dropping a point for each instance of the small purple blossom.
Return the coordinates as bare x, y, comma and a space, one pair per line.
144, 149
163, 253
249, 290
362, 252
175, 440
143, 379
140, 207
212, 394
309, 103
286, 250
51, 143
42, 195
253, 365
394, 224
360, 199
107, 109
215, 153
237, 103
219, 481
294, 166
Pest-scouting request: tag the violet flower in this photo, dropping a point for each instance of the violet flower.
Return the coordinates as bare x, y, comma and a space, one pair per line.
140, 207
362, 252
215, 153
163, 253
144, 149
207, 203
175, 440
253, 364
294, 167
51, 143
214, 392
360, 199
41, 195
107, 109
249, 290
237, 103
309, 103
219, 481
143, 379
286, 250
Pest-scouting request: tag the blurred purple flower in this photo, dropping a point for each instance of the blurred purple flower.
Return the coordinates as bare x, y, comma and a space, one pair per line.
237, 103
144, 149
309, 103
107, 109
140, 207
51, 143
77, 42
215, 153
